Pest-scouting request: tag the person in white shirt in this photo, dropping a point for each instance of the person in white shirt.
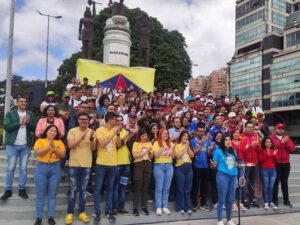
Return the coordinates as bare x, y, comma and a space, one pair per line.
72, 84
256, 108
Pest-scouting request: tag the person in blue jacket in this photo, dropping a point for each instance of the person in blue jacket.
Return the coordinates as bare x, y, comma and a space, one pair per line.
224, 159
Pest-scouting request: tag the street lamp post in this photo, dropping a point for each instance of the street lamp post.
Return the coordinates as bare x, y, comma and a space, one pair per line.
47, 48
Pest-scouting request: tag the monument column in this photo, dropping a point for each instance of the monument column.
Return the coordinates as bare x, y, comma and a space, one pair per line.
117, 41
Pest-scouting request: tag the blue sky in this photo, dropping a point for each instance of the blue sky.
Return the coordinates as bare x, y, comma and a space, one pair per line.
210, 48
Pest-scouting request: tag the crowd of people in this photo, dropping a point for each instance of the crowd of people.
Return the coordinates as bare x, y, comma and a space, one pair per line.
203, 152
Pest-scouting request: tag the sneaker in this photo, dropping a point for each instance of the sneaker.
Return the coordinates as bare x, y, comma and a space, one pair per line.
123, 212
69, 218
23, 194
136, 212
182, 212
242, 207
288, 203
89, 191
83, 217
96, 219
230, 222
150, 200
166, 211
51, 221
273, 206
115, 212
111, 217
189, 212
89, 203
194, 208
246, 205
220, 223
145, 211
266, 206
254, 204
38, 221
234, 207
215, 206
7, 194
158, 212
205, 208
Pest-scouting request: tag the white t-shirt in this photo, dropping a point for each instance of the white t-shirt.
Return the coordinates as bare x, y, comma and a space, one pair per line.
74, 102
69, 86
22, 135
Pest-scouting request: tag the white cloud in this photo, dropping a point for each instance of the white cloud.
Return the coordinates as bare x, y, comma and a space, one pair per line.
208, 26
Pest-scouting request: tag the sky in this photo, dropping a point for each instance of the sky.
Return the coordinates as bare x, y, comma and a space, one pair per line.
207, 25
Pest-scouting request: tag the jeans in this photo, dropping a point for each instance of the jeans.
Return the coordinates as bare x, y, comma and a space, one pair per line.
141, 179
268, 178
226, 185
12, 154
120, 184
78, 178
108, 174
200, 177
251, 175
163, 173
184, 179
283, 172
46, 178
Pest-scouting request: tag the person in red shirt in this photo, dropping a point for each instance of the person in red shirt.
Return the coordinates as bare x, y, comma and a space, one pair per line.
252, 149
267, 159
285, 146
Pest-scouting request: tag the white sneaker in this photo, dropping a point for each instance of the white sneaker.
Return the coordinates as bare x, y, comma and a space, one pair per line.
230, 222
266, 207
215, 206
158, 211
273, 206
182, 212
166, 211
220, 223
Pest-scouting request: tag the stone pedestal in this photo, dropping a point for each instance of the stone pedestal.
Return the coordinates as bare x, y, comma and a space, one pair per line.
117, 42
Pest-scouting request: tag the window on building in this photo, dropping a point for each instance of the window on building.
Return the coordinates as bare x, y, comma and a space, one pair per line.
249, 7
293, 39
280, 5
278, 19
251, 35
285, 66
251, 20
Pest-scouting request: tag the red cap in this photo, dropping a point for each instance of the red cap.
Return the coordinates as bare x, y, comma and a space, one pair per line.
259, 115
279, 126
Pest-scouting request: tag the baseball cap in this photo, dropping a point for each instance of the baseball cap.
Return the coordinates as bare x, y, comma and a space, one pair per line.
279, 126
50, 93
259, 115
210, 94
231, 114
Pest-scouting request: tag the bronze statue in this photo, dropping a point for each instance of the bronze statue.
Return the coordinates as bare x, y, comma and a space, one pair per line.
87, 33
144, 27
117, 8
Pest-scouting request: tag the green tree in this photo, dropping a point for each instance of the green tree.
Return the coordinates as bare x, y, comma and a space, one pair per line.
168, 53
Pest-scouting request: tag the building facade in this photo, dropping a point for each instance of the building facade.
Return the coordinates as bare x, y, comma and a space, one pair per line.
266, 62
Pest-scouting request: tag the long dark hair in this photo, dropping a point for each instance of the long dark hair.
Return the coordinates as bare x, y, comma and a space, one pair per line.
263, 143
181, 135
46, 108
225, 149
214, 138
141, 132
102, 98
44, 134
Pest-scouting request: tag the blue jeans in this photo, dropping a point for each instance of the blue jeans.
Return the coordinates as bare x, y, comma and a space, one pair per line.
120, 184
13, 152
46, 178
184, 179
79, 178
268, 177
163, 173
103, 173
226, 185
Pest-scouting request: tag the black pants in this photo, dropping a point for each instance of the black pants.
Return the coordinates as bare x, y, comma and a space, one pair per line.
251, 175
199, 180
283, 172
213, 183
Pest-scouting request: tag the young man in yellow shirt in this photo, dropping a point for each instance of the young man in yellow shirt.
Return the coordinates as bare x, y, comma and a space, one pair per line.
108, 138
82, 143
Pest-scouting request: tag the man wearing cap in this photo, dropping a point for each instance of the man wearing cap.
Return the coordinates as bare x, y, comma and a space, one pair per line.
176, 95
231, 124
285, 147
50, 100
19, 125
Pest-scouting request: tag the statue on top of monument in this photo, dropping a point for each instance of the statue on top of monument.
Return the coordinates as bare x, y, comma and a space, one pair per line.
86, 34
117, 8
144, 27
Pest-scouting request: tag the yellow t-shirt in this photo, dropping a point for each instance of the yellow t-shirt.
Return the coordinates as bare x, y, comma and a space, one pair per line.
184, 159
81, 155
142, 147
123, 152
106, 156
49, 156
166, 156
